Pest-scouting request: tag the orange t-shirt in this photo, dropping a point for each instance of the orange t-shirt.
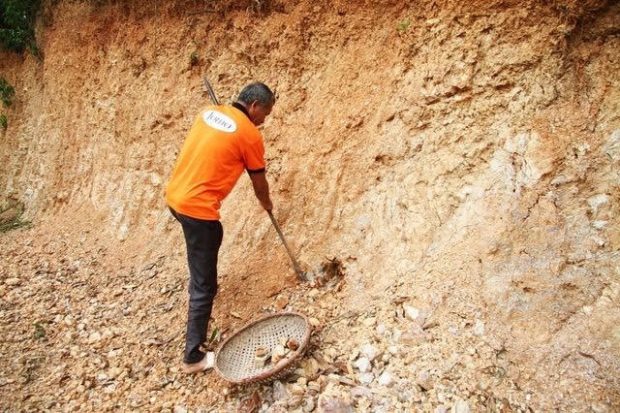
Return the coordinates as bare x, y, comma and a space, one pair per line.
222, 143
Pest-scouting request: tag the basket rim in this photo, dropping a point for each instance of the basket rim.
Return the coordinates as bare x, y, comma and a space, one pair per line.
280, 366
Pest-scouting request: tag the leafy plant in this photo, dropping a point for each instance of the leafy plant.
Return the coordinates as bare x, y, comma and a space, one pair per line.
17, 19
7, 92
4, 123
403, 25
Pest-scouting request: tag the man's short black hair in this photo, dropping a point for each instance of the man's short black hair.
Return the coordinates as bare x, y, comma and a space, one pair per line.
257, 92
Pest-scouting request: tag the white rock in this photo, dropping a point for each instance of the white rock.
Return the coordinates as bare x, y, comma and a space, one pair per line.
179, 409
381, 329
308, 405
369, 351
597, 201
460, 406
385, 379
94, 337
612, 149
366, 378
411, 312
362, 364
279, 391
360, 391
599, 224
479, 328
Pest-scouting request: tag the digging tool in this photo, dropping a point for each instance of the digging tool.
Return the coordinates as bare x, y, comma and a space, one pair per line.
298, 271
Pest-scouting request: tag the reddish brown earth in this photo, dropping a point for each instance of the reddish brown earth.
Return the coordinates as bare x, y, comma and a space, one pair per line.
460, 158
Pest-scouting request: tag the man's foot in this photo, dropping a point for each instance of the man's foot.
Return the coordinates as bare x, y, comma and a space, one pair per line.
205, 364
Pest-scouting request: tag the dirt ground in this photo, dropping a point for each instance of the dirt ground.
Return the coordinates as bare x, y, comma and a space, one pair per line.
461, 159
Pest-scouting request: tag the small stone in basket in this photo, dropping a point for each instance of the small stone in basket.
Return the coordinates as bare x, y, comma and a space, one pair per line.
292, 344
261, 356
279, 352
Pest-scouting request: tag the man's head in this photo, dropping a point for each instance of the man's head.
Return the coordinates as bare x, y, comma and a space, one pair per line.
258, 99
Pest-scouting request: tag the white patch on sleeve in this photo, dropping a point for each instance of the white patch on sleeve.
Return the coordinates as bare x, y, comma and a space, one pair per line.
219, 121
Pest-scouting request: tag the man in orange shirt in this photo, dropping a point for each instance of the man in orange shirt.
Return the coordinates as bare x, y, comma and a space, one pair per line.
223, 141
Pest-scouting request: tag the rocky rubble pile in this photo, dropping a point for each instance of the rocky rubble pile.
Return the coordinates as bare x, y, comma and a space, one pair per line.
400, 357
65, 326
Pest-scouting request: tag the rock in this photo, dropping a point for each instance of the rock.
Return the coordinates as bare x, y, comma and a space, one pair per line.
12, 281
596, 202
278, 353
369, 351
460, 406
479, 328
599, 224
411, 312
310, 368
424, 381
292, 344
180, 409
366, 378
314, 387
333, 404
296, 390
362, 364
360, 391
441, 409
281, 302
612, 149
314, 322
415, 335
295, 401
308, 405
94, 337
279, 391
385, 379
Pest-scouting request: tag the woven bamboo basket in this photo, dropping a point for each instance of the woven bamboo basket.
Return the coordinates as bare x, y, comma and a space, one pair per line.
235, 359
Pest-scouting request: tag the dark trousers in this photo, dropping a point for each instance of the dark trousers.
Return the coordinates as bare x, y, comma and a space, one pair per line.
202, 239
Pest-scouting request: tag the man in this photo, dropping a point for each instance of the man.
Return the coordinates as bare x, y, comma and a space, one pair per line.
223, 141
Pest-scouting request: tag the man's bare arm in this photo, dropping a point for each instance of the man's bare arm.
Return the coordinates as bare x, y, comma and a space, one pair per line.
261, 189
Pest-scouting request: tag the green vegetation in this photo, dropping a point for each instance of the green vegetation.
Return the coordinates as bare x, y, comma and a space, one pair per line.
6, 96
17, 19
7, 92
194, 59
403, 25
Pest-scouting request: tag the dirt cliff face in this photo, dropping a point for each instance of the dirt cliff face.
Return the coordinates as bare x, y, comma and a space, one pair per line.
464, 155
